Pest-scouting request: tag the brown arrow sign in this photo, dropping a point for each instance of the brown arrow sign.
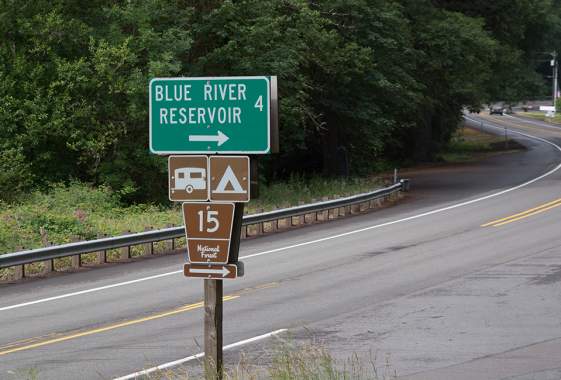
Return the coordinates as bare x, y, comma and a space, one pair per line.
208, 228
219, 272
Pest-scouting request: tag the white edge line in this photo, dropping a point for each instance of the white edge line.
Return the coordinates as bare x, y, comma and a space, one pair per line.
89, 290
326, 238
197, 356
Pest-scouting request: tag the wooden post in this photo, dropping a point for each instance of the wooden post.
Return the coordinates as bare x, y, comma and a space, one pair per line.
260, 226
101, 256
169, 243
45, 241
19, 271
324, 214
76, 260
125, 252
148, 247
213, 293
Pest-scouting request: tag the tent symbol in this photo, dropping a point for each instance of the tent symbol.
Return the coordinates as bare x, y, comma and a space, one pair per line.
229, 180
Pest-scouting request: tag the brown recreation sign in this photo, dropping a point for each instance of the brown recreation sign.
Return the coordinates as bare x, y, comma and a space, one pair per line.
200, 178
227, 271
229, 178
208, 228
188, 178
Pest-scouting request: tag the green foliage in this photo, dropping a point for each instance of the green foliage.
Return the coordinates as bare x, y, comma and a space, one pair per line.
299, 188
15, 173
80, 210
76, 210
360, 81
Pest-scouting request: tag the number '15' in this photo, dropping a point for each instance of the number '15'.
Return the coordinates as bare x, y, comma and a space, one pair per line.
211, 222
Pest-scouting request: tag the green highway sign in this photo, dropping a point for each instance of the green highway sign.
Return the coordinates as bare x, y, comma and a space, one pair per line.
210, 115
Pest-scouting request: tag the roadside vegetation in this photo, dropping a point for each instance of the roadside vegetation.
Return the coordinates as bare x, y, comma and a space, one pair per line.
82, 212
361, 82
541, 116
286, 361
469, 144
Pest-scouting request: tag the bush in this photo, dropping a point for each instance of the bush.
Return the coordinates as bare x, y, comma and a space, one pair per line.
15, 174
74, 210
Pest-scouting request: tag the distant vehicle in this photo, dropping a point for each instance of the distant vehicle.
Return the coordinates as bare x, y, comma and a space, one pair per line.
529, 107
496, 111
190, 179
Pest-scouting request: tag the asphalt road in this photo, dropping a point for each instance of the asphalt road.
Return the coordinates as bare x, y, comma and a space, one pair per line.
428, 285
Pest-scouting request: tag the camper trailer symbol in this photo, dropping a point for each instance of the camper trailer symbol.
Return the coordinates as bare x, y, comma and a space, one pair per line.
189, 179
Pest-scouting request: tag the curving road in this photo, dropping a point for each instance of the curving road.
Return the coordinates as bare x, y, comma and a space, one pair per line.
460, 280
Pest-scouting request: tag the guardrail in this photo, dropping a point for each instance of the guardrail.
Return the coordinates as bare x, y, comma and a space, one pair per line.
124, 242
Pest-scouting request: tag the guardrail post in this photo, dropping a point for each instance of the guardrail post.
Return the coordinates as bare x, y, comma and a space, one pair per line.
48, 264
348, 209
362, 207
341, 210
148, 247
301, 218
335, 211
19, 271
169, 243
260, 226
101, 256
274, 223
76, 260
125, 252
325, 213
314, 214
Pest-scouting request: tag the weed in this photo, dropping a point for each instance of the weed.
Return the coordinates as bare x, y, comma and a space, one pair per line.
288, 361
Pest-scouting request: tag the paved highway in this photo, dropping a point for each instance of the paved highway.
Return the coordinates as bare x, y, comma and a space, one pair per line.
460, 280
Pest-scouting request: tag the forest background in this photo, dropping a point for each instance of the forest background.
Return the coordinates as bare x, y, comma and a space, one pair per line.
363, 83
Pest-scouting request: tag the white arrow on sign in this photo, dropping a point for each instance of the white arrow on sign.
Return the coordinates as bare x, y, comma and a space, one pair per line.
224, 271
220, 138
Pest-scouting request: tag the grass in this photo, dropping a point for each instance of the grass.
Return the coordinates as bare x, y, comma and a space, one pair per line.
287, 361
300, 189
470, 144
541, 116
81, 212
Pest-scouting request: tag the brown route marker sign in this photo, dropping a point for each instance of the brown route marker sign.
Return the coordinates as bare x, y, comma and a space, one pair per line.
218, 272
208, 228
229, 178
188, 178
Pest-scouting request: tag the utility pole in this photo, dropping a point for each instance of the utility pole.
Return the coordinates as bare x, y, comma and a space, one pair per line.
554, 65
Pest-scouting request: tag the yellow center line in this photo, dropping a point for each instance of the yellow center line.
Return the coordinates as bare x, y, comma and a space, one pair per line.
523, 214
110, 327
